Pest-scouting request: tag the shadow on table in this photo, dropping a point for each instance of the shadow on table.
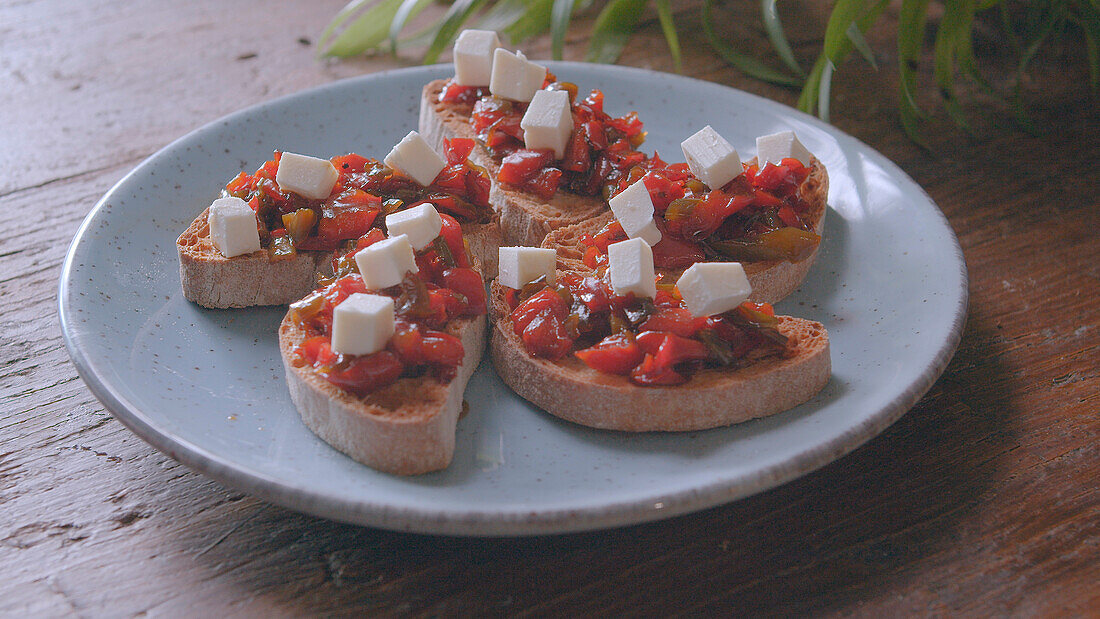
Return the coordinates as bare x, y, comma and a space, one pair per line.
854, 529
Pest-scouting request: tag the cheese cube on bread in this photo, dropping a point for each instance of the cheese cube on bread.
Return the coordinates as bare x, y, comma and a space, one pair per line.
474, 57
306, 176
711, 158
514, 77
362, 324
420, 223
414, 158
630, 264
633, 207
233, 228
548, 122
776, 147
385, 263
710, 288
519, 266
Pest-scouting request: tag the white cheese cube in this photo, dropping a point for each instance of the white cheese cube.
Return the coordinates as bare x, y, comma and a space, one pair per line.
630, 264
711, 158
710, 288
385, 263
362, 324
306, 176
776, 147
420, 223
519, 266
474, 57
514, 77
633, 207
548, 121
233, 227
414, 158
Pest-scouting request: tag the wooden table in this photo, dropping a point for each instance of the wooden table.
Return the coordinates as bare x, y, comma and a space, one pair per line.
983, 499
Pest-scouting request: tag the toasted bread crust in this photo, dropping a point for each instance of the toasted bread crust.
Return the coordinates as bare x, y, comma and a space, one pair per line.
212, 280
771, 280
407, 428
712, 398
524, 219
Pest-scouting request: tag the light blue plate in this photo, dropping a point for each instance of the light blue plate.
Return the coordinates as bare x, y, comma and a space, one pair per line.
206, 387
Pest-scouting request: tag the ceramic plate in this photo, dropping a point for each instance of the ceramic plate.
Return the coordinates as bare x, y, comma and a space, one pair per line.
206, 387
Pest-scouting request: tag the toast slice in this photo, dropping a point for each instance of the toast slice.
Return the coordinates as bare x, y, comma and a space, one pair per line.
771, 280
407, 428
524, 219
569, 389
214, 281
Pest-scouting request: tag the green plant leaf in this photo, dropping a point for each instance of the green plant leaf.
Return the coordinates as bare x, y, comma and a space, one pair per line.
824, 88
502, 15
861, 45
535, 21
956, 21
452, 21
408, 10
809, 99
613, 28
774, 27
743, 62
367, 30
837, 45
351, 8
668, 26
559, 23
911, 22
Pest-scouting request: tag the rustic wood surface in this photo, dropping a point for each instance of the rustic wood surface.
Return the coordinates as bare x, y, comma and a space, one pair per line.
981, 500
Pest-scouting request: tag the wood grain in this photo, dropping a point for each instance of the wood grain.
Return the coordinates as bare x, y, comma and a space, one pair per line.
981, 500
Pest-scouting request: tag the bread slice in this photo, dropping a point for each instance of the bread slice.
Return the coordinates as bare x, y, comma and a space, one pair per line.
771, 280
712, 398
524, 219
407, 428
212, 280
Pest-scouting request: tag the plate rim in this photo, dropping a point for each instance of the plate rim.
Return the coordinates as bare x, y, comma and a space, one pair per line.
474, 522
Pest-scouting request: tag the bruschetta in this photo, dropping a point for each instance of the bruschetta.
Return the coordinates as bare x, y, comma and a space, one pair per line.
378, 357
641, 352
769, 220
553, 154
271, 232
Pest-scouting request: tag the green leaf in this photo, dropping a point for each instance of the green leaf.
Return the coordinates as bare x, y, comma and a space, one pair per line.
837, 45
811, 90
452, 21
825, 85
408, 10
535, 21
860, 43
613, 28
366, 31
668, 26
807, 99
351, 8
774, 27
911, 22
955, 24
559, 23
743, 62
502, 15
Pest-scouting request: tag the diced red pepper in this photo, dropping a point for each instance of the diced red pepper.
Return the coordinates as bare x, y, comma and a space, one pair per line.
545, 336
468, 283
649, 372
545, 299
367, 373
458, 150
614, 354
522, 165
677, 320
452, 234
